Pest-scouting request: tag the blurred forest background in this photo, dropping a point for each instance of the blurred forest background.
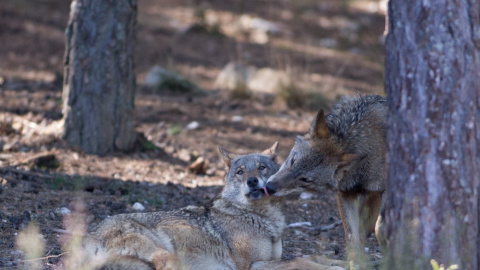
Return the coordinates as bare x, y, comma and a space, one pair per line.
237, 74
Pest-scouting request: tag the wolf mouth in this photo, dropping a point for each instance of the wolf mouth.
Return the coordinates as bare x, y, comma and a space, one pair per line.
255, 193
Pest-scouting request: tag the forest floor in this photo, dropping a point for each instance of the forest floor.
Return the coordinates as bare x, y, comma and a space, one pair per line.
334, 46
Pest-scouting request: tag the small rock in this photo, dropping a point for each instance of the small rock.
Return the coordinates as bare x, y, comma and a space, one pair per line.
138, 206
155, 76
258, 28
161, 78
237, 118
63, 211
306, 196
248, 22
234, 76
193, 125
184, 155
267, 80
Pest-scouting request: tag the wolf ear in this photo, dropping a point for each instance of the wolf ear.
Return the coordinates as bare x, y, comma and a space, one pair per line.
319, 129
227, 156
346, 163
272, 151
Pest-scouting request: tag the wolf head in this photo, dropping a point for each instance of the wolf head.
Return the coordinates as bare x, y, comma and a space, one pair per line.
246, 175
316, 161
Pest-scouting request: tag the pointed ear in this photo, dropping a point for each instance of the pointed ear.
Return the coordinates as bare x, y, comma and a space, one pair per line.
272, 151
346, 163
319, 127
227, 156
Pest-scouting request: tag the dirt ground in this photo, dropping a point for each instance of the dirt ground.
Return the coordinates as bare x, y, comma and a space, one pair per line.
41, 177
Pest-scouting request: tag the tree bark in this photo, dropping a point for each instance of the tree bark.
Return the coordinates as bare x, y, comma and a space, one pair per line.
433, 91
99, 78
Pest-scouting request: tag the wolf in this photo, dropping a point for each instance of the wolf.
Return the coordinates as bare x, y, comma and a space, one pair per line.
241, 229
346, 152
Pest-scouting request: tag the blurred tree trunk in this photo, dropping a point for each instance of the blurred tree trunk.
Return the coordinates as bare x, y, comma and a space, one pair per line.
99, 78
433, 89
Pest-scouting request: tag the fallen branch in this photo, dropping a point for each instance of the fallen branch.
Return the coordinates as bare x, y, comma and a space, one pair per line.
323, 228
66, 232
43, 258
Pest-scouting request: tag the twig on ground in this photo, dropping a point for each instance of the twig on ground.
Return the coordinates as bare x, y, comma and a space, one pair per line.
44, 258
324, 228
66, 232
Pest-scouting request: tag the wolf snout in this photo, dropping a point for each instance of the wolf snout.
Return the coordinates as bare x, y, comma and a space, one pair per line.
270, 188
252, 182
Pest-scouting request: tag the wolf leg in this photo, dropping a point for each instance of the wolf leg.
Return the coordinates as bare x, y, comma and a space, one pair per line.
349, 205
380, 228
327, 261
370, 210
165, 260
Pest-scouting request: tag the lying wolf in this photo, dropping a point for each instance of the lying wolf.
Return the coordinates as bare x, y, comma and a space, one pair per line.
242, 229
346, 152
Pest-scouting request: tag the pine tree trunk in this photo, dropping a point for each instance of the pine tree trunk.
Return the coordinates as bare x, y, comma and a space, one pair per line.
433, 90
99, 78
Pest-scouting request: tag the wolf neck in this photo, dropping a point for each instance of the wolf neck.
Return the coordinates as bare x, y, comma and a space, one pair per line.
267, 218
266, 208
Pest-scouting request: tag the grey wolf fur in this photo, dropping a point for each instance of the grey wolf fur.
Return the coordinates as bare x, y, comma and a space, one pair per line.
242, 228
346, 152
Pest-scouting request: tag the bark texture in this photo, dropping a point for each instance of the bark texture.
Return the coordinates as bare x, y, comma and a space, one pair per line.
433, 91
99, 78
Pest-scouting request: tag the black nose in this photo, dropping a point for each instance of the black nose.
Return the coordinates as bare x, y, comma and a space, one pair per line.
252, 182
270, 188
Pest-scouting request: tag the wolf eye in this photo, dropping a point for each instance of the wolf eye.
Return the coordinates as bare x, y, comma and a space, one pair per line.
261, 168
239, 172
292, 160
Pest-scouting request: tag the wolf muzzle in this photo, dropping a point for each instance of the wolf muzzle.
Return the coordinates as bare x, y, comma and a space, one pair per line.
269, 189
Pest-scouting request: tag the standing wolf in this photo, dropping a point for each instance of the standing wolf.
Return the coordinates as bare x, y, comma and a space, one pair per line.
345, 152
242, 229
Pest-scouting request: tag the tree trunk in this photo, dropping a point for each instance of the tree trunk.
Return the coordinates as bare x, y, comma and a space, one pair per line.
99, 79
433, 91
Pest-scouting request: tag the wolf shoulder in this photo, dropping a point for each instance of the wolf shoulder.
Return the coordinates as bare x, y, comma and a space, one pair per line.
359, 119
